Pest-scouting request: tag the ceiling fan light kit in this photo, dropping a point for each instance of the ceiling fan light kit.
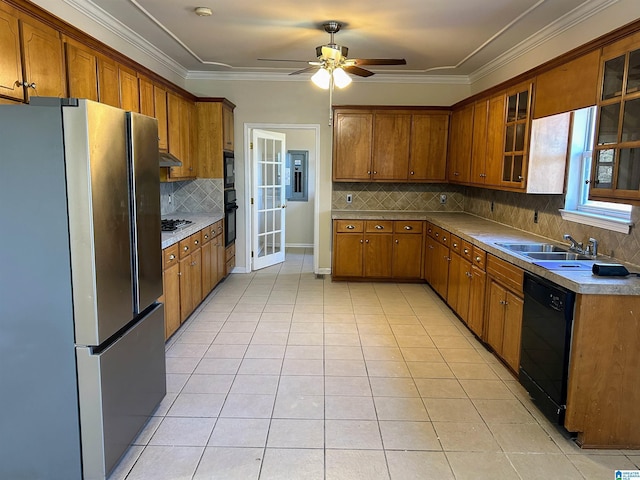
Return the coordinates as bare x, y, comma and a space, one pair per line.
203, 11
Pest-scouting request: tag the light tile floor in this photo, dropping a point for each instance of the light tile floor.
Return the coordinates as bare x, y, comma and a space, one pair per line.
282, 375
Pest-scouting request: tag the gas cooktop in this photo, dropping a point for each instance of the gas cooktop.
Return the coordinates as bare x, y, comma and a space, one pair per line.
170, 225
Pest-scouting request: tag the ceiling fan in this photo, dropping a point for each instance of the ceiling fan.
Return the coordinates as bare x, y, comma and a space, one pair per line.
332, 62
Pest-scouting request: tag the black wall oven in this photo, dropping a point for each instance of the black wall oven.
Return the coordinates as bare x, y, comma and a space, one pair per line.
229, 170
230, 208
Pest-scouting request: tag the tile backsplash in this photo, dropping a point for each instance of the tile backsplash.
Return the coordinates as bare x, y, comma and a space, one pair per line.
192, 196
397, 196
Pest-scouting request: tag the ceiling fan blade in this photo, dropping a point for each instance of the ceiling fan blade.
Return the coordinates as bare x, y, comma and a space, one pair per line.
305, 70
361, 72
281, 60
379, 61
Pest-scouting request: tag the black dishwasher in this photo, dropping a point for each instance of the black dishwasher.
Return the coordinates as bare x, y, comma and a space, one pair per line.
546, 341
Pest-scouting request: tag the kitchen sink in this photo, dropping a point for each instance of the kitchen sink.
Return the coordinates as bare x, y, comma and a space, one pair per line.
558, 256
532, 247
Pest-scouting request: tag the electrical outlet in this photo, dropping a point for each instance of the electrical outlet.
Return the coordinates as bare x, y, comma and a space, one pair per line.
535, 216
443, 198
169, 199
349, 198
492, 205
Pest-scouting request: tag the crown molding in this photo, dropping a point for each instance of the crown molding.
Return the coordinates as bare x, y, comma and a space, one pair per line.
114, 26
564, 23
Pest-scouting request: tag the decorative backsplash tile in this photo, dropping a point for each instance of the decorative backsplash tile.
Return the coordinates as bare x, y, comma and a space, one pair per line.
397, 196
518, 209
192, 196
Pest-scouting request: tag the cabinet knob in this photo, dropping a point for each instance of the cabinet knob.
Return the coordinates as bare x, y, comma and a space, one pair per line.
368, 172
448, 259
411, 173
186, 249
466, 250
478, 259
206, 237
366, 241
375, 173
444, 239
360, 241
172, 257
26, 84
455, 245
455, 174
520, 177
408, 227
350, 227
193, 264
436, 234
196, 242
379, 227
504, 302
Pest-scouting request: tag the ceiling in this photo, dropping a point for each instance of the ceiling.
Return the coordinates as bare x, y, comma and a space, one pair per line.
436, 37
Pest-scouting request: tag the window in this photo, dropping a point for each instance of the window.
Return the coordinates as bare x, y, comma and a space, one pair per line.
578, 208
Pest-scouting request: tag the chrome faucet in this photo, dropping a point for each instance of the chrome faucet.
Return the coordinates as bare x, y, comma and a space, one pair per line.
592, 247
575, 245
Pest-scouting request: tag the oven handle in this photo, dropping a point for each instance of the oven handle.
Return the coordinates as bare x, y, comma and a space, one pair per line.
228, 208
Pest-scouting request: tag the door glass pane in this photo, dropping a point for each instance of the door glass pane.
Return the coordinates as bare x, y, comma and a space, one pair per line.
629, 169
517, 168
631, 121
520, 132
604, 168
608, 129
508, 140
613, 75
276, 242
523, 99
511, 108
633, 74
506, 169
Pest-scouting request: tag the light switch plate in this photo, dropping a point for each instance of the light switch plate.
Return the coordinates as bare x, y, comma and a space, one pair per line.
349, 198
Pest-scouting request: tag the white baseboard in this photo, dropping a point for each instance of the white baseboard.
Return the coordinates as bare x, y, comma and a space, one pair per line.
299, 245
323, 271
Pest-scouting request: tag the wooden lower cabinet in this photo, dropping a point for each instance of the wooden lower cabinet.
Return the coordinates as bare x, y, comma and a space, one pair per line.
475, 316
192, 268
382, 249
230, 258
504, 306
437, 259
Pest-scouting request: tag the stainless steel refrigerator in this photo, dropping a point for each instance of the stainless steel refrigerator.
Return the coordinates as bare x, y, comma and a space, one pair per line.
82, 363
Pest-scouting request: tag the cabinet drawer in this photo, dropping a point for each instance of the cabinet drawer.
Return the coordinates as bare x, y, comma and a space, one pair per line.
216, 228
170, 256
506, 273
378, 226
190, 244
456, 244
349, 226
467, 250
479, 257
441, 236
430, 229
407, 226
206, 234
231, 251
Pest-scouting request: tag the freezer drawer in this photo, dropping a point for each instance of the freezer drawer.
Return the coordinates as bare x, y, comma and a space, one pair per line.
119, 389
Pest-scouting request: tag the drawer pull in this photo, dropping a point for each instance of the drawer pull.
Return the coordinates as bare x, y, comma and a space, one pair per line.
350, 227
466, 250
186, 249
172, 257
206, 237
444, 239
397, 241
504, 302
478, 259
437, 234
379, 227
408, 227
455, 245
196, 242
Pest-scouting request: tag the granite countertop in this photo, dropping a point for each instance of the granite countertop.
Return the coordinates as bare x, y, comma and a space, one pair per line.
486, 233
200, 221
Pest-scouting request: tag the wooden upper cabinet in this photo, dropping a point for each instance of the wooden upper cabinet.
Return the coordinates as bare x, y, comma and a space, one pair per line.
10, 59
227, 127
391, 133
82, 71
108, 82
147, 106
352, 145
478, 173
571, 86
459, 156
129, 90
180, 112
160, 109
517, 130
428, 148
495, 139
43, 60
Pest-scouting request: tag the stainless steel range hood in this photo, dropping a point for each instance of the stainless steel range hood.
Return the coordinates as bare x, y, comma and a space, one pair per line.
168, 160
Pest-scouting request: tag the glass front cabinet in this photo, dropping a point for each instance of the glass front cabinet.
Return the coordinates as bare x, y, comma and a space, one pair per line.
516, 143
615, 169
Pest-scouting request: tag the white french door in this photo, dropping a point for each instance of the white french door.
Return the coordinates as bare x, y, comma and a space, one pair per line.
268, 202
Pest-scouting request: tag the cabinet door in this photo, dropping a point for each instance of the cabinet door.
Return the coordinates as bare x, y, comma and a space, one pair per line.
146, 97
479, 143
222, 260
460, 145
210, 141
391, 134
475, 318
108, 83
495, 140
227, 127
129, 91
43, 60
429, 260
428, 153
454, 282
186, 296
495, 316
207, 273
512, 330
407, 255
82, 72
378, 253
441, 269
11, 62
352, 146
196, 277
516, 143
160, 109
464, 289
171, 285
348, 255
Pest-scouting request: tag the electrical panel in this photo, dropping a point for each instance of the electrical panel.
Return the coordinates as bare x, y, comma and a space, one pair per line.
297, 176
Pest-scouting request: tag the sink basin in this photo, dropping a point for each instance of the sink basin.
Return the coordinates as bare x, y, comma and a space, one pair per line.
531, 247
558, 256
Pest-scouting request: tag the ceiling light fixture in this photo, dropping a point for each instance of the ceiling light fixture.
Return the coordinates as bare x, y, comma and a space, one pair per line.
203, 11
328, 75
